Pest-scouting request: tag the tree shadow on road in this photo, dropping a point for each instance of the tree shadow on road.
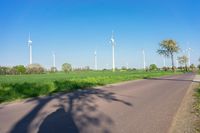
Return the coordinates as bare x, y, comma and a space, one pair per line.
75, 112
168, 79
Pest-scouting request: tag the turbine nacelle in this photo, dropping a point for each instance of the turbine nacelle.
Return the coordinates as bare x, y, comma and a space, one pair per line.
29, 42
112, 40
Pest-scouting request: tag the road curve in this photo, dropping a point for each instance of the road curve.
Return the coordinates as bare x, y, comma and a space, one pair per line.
146, 106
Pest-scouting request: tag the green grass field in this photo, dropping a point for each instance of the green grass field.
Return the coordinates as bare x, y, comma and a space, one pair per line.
13, 87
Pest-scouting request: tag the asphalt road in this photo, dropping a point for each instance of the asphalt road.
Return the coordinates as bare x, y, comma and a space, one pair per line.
146, 106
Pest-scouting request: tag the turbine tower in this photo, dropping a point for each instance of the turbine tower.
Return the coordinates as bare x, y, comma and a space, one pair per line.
164, 62
30, 49
127, 66
177, 64
54, 60
188, 50
113, 52
95, 60
144, 59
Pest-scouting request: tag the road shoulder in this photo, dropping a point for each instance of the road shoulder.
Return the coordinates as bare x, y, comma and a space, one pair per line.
184, 120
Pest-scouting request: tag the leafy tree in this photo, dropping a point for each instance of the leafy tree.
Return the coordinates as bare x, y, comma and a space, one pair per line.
124, 68
66, 67
183, 60
168, 48
198, 67
20, 69
35, 69
13, 71
192, 66
3, 70
153, 67
53, 69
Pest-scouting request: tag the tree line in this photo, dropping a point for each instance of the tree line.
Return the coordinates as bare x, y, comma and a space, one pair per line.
30, 69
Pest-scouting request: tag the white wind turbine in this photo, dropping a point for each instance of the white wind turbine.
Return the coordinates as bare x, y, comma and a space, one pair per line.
188, 50
113, 52
30, 49
95, 60
127, 66
177, 63
164, 61
54, 61
144, 59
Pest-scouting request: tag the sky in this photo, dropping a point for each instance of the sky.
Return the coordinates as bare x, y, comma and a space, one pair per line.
74, 29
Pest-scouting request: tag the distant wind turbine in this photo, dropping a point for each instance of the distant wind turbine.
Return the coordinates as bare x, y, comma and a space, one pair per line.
164, 62
30, 49
144, 59
188, 50
54, 60
113, 52
127, 66
95, 60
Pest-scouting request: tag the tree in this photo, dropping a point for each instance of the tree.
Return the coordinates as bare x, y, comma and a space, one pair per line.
35, 69
183, 60
198, 67
3, 70
53, 69
192, 66
124, 68
168, 48
66, 67
20, 69
153, 67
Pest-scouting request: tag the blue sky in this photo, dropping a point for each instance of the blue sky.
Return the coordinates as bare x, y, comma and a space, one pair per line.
73, 29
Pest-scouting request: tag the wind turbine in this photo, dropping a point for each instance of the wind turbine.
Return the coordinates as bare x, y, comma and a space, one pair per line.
177, 64
95, 60
188, 50
164, 61
113, 52
127, 66
144, 59
30, 49
54, 61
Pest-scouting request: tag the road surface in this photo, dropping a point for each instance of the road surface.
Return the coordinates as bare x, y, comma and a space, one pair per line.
145, 106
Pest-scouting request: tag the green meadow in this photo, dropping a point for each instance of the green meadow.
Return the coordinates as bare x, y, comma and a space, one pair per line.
15, 87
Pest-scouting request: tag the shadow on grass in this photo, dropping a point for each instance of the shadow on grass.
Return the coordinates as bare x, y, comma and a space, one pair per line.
73, 112
10, 91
